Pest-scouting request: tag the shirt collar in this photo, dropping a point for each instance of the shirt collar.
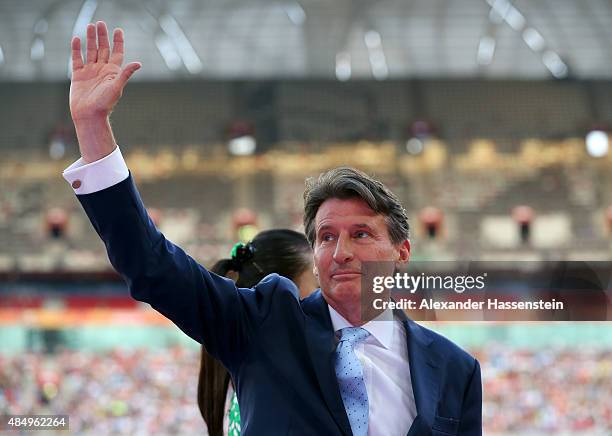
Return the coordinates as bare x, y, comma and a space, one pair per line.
380, 328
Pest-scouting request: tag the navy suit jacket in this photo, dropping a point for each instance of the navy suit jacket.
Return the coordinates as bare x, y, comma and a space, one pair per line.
278, 350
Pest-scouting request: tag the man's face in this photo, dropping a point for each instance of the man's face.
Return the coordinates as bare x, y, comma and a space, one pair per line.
348, 233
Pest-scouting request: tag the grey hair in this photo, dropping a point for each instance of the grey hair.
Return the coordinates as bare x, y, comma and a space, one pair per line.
345, 183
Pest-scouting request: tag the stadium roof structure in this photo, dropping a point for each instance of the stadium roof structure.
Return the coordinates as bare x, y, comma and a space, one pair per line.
343, 39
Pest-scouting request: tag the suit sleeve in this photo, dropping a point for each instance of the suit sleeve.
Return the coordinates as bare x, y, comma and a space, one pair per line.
471, 410
207, 307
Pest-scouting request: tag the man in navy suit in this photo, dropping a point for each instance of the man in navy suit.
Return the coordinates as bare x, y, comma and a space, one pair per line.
316, 366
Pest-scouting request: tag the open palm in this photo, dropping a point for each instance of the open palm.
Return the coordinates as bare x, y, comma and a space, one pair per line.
98, 84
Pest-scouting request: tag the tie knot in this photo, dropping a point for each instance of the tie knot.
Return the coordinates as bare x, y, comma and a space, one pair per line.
353, 335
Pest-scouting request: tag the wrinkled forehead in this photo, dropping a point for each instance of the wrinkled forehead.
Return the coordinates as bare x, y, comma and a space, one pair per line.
346, 211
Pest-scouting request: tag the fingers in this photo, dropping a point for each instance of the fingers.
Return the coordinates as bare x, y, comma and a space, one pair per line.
127, 72
92, 49
103, 44
77, 58
100, 51
117, 55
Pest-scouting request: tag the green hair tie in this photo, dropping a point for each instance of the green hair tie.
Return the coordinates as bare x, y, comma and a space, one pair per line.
234, 253
242, 253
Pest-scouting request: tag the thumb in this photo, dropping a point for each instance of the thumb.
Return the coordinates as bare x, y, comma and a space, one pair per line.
127, 72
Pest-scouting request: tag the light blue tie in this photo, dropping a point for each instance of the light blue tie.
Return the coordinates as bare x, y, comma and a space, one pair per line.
350, 379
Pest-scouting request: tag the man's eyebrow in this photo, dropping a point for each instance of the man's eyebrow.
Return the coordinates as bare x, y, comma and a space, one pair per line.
324, 227
358, 226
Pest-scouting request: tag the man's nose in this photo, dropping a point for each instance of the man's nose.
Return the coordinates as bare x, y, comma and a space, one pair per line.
344, 250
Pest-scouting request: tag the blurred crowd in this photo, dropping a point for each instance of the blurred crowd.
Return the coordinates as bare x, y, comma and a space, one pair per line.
146, 391
136, 392
562, 391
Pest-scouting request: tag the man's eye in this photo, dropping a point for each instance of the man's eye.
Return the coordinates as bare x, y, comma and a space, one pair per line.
361, 235
327, 237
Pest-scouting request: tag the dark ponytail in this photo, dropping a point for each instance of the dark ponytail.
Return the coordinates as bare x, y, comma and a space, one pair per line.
281, 251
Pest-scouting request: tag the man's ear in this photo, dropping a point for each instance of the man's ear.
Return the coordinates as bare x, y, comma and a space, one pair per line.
404, 252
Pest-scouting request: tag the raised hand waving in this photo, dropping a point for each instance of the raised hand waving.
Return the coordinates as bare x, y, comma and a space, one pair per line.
98, 84
95, 89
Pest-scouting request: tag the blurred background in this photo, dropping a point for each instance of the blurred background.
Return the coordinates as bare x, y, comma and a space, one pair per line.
489, 119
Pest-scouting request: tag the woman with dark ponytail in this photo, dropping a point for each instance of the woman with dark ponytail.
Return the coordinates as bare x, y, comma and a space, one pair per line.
280, 251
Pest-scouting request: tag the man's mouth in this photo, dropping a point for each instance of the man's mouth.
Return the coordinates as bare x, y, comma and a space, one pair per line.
346, 275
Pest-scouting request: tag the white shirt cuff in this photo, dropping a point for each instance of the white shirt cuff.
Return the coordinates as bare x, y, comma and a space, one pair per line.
87, 178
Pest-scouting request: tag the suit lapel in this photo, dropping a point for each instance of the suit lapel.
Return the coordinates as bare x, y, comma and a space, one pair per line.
321, 345
424, 374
